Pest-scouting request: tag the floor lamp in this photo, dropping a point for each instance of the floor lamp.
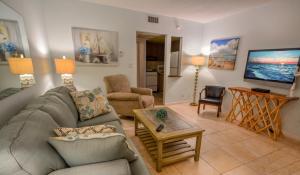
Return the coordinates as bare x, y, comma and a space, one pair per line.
197, 61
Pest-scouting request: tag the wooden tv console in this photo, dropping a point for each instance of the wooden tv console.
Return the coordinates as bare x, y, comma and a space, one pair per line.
259, 112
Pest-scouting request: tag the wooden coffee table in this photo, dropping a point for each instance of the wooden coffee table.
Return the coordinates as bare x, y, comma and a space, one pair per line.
167, 146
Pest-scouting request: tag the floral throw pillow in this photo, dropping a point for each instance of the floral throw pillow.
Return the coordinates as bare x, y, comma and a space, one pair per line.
87, 130
90, 104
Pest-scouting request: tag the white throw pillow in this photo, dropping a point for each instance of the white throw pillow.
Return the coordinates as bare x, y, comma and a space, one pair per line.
95, 148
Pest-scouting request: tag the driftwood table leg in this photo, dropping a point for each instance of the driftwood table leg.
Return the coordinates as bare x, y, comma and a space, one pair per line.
198, 147
159, 156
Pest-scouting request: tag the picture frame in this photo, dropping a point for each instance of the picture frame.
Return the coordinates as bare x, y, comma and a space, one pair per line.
10, 40
95, 46
223, 53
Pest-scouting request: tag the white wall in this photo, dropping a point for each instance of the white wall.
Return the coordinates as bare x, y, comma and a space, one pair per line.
61, 15
32, 13
275, 25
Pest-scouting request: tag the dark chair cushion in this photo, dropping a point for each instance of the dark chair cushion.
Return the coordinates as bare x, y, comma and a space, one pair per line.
211, 100
213, 91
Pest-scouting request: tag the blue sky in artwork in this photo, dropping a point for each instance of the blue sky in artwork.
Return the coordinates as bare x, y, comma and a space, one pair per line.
222, 41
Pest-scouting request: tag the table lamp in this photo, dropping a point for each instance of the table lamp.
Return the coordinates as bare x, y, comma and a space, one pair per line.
22, 67
65, 67
197, 61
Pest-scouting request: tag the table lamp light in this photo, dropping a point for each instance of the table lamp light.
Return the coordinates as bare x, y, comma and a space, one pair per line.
65, 67
197, 61
22, 67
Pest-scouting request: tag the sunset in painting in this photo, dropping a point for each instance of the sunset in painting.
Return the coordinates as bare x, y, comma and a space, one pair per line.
272, 65
275, 57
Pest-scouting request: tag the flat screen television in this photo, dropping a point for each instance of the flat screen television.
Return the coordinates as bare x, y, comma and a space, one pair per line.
275, 65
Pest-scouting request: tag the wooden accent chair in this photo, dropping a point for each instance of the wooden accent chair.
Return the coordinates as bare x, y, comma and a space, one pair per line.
125, 98
213, 96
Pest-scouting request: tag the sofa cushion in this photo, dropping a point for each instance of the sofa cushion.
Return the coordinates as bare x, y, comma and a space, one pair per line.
117, 83
56, 108
66, 98
24, 148
85, 130
90, 104
116, 167
111, 116
147, 100
61, 90
86, 149
137, 166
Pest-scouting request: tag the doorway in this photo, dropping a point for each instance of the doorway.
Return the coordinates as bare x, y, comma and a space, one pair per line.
150, 63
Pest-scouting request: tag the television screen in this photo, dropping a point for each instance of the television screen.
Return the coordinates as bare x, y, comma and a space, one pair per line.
276, 65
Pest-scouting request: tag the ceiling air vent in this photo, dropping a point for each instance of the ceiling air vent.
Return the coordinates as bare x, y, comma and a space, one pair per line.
152, 19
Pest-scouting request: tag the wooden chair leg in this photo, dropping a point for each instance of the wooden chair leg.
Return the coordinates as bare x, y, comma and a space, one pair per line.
219, 110
198, 108
203, 106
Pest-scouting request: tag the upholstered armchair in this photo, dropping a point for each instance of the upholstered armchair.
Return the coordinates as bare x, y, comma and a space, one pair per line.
125, 98
213, 96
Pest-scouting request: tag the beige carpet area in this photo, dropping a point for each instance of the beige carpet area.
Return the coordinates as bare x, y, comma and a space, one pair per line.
227, 149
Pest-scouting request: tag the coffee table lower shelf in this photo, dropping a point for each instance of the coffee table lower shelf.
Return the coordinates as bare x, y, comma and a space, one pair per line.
171, 152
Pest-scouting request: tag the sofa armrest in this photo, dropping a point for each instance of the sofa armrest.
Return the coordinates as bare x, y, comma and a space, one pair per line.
123, 96
142, 91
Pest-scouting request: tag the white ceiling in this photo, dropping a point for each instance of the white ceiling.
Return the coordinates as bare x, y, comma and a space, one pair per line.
195, 10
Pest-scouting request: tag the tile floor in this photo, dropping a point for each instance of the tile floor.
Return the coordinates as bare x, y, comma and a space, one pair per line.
227, 149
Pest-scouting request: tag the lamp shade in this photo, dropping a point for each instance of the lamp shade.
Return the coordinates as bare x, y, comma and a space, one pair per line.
65, 66
198, 60
20, 66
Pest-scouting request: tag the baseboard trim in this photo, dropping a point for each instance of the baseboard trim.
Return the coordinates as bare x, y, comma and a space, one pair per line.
291, 137
178, 102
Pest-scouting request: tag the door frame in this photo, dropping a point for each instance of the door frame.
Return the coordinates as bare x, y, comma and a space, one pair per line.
166, 55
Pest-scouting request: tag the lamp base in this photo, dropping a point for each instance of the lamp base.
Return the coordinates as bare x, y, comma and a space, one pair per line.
67, 79
194, 104
27, 80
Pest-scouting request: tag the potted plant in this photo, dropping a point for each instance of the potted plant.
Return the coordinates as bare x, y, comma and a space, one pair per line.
162, 115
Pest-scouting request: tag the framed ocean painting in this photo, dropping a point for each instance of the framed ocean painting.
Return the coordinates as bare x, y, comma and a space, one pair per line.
95, 47
276, 65
223, 53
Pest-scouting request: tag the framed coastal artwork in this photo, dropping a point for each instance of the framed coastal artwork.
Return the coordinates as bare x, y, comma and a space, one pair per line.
223, 53
10, 40
95, 47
